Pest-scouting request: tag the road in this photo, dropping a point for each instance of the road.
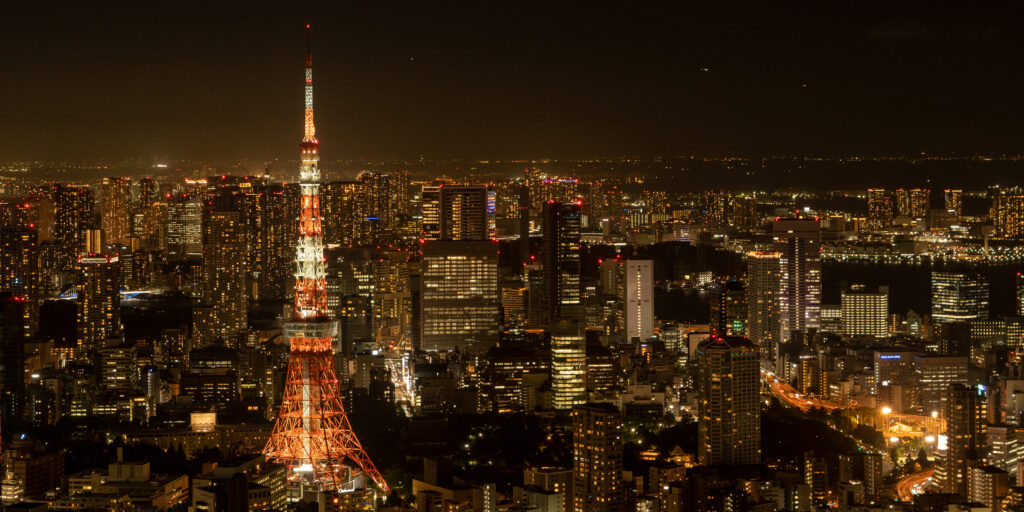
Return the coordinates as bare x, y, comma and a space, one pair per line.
913, 484
791, 397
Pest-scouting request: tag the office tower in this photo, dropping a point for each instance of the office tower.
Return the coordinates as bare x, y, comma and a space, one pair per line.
344, 213
184, 226
19, 269
728, 305
536, 297
893, 367
880, 211
1008, 212
728, 402
99, 300
865, 313
568, 364
119, 367
713, 207
464, 212
1004, 451
959, 297
312, 435
460, 306
225, 279
12, 356
638, 285
115, 209
764, 286
934, 375
430, 212
798, 242
953, 201
562, 260
148, 193
597, 458
391, 306
965, 415
74, 207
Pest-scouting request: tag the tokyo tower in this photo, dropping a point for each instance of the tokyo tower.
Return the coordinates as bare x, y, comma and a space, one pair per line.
312, 435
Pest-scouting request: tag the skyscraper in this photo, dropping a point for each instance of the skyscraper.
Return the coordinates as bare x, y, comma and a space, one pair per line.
965, 433
184, 226
913, 202
798, 242
344, 213
562, 260
865, 313
1008, 212
73, 214
568, 364
728, 306
953, 201
225, 274
728, 404
638, 285
115, 209
597, 458
430, 212
99, 300
463, 212
880, 209
959, 297
764, 281
460, 301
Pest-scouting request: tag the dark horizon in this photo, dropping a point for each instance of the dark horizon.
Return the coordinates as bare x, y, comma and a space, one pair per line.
223, 82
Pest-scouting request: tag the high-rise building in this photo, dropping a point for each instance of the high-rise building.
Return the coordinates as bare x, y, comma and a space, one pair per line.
959, 297
1008, 212
562, 260
99, 300
728, 402
12, 356
934, 375
568, 364
74, 208
798, 242
865, 313
965, 415
463, 212
880, 211
954, 201
597, 458
115, 209
225, 274
19, 269
184, 226
1020, 294
344, 213
147, 193
764, 286
912, 202
713, 207
460, 305
387, 196
728, 306
987, 485
430, 212
638, 286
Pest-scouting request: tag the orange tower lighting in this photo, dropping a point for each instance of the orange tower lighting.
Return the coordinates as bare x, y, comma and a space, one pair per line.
312, 435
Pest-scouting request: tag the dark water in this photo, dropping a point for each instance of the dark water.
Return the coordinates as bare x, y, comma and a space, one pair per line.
909, 288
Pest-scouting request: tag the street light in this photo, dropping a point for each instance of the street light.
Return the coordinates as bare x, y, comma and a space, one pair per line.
886, 410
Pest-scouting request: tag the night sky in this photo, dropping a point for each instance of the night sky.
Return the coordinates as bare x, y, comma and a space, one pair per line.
516, 79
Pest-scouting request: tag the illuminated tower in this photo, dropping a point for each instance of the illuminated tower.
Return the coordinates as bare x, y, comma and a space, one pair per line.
312, 435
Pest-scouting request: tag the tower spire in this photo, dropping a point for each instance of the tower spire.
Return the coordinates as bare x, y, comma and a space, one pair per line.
309, 134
